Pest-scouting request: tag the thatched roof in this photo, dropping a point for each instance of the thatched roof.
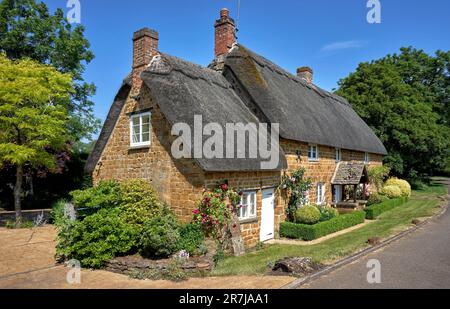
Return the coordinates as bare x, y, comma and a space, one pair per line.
182, 90
350, 173
305, 112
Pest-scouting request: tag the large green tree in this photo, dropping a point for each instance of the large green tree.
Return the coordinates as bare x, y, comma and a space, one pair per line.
34, 100
28, 29
404, 98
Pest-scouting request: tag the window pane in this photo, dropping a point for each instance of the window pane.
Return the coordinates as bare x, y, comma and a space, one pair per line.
252, 204
135, 138
244, 211
145, 137
145, 119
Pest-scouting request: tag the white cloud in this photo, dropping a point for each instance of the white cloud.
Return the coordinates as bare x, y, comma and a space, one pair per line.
342, 45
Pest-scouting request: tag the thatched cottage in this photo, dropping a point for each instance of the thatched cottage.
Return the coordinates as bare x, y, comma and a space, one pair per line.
317, 130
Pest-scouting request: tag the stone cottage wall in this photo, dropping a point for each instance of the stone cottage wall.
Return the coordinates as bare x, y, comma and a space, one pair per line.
322, 170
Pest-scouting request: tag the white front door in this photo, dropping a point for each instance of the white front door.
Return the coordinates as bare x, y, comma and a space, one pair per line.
267, 215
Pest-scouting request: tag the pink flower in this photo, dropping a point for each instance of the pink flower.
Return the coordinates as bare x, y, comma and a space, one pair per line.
196, 212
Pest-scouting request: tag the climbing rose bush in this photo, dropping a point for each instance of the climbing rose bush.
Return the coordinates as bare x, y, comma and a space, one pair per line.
298, 187
216, 210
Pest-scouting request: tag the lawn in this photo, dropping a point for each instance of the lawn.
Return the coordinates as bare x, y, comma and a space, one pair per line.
423, 203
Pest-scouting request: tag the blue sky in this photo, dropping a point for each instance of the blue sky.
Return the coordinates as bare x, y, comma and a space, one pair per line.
332, 37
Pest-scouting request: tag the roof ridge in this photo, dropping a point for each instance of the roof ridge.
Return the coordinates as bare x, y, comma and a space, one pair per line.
281, 71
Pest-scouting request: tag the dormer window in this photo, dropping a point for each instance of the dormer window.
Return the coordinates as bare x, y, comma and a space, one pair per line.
140, 130
313, 153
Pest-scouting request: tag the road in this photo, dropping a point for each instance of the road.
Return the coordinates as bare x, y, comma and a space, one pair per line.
420, 260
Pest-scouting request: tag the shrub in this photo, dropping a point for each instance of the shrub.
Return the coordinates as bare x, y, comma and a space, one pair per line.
311, 232
105, 195
327, 213
160, 236
375, 210
191, 239
404, 186
391, 191
374, 198
377, 175
139, 202
307, 215
96, 239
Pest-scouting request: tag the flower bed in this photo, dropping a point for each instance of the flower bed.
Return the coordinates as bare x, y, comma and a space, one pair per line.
315, 231
375, 210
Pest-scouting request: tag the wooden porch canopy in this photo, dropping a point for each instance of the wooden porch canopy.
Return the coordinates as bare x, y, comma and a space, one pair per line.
350, 173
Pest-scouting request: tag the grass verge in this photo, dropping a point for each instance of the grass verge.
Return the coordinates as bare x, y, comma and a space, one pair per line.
423, 203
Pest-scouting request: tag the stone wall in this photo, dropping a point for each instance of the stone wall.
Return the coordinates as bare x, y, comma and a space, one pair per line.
321, 171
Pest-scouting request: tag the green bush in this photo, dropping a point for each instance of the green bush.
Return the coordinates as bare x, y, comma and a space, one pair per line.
404, 186
327, 213
160, 236
191, 239
377, 175
139, 202
97, 239
307, 215
391, 191
375, 210
311, 232
106, 194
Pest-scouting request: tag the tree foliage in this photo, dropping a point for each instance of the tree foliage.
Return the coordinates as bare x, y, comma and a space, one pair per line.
404, 98
33, 116
33, 111
28, 30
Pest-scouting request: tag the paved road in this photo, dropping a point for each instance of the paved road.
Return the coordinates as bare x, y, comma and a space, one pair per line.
420, 260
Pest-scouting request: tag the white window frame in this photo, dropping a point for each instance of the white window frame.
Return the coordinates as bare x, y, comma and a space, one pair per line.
338, 154
310, 152
247, 206
366, 158
320, 192
140, 143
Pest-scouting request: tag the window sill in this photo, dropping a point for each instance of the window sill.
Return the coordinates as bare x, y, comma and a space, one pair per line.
137, 147
248, 220
313, 160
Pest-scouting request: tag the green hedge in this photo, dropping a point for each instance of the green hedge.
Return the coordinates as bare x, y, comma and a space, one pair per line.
374, 211
311, 232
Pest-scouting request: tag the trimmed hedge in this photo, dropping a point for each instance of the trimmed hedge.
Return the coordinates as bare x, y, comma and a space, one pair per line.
311, 232
375, 210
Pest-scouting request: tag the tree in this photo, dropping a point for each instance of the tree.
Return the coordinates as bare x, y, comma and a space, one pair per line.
404, 98
28, 30
34, 100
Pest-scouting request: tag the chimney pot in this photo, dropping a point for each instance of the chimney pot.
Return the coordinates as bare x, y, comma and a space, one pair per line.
305, 73
224, 13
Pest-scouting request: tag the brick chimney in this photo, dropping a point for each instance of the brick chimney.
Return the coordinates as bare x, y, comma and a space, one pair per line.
225, 34
145, 46
305, 73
